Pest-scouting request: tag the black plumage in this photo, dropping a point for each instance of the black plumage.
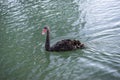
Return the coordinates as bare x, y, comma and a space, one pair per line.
63, 45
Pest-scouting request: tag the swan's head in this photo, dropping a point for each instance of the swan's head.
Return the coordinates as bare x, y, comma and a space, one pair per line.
45, 29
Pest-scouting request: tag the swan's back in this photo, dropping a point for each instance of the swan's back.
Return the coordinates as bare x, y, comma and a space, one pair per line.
66, 45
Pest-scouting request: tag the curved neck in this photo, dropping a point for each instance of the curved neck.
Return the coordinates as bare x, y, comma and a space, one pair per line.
47, 43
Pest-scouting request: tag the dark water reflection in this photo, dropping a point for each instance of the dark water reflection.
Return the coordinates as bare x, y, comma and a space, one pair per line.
96, 23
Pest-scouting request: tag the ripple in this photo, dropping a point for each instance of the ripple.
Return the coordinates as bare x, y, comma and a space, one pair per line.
95, 23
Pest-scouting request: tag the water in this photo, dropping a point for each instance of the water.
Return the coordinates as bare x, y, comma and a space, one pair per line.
95, 22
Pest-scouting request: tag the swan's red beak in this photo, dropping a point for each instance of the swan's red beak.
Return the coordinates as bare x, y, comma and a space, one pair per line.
44, 31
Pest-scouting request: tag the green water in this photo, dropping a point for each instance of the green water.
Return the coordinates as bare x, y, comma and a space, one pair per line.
96, 23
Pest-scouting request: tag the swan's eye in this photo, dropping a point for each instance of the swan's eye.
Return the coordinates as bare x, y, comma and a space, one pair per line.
45, 27
44, 31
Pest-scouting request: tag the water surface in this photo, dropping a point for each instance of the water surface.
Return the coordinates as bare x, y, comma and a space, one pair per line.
96, 23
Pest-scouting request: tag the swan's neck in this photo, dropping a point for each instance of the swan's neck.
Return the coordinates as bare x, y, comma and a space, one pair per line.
47, 43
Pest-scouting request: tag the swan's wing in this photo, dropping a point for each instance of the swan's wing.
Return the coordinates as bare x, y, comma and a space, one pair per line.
67, 45
63, 45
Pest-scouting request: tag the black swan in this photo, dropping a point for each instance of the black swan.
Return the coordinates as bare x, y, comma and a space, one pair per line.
63, 45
